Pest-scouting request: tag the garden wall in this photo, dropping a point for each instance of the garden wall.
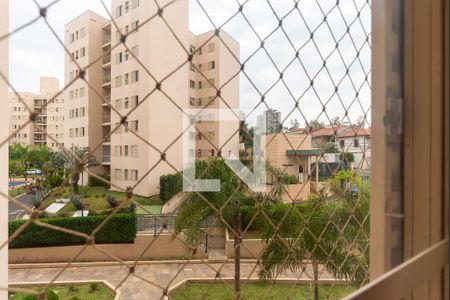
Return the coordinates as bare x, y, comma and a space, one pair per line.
165, 247
251, 249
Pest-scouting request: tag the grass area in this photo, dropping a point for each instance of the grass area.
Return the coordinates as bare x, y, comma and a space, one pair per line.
83, 291
95, 199
17, 192
149, 209
257, 290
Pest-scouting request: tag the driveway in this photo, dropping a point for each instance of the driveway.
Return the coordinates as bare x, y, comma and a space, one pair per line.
15, 211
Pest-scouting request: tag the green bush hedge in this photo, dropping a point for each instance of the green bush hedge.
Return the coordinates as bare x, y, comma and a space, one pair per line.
289, 179
170, 185
121, 228
93, 181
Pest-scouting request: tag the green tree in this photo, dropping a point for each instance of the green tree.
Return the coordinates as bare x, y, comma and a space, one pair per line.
230, 203
314, 125
75, 162
21, 154
246, 135
327, 230
38, 156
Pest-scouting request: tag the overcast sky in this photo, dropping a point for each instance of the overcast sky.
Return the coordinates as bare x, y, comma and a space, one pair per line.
35, 51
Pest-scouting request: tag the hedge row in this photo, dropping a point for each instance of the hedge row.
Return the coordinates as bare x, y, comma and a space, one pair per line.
170, 185
121, 228
94, 181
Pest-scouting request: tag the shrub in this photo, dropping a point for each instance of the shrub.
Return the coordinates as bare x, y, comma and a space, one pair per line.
73, 289
347, 157
51, 295
94, 287
111, 200
36, 200
121, 228
289, 179
53, 181
170, 185
75, 200
93, 181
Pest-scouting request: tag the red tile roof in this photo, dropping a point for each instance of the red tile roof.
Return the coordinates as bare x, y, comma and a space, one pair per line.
356, 132
328, 131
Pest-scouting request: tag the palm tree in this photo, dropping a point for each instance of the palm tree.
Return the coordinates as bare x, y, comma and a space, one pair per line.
75, 162
306, 233
233, 200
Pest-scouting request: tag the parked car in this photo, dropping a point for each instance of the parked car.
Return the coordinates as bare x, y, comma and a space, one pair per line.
33, 172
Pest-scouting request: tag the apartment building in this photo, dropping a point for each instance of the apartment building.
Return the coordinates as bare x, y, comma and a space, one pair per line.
49, 129
270, 120
83, 106
146, 144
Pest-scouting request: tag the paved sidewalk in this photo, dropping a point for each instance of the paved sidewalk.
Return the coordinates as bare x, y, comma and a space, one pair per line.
164, 275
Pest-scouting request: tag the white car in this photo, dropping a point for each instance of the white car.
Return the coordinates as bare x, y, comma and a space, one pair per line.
33, 172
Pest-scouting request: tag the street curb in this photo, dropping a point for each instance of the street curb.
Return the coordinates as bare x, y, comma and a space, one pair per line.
115, 263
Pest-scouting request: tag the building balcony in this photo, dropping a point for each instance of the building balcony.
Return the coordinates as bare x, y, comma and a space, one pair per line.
106, 158
106, 119
106, 60
106, 81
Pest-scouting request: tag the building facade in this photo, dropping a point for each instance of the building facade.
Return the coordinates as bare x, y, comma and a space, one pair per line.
140, 126
270, 120
49, 125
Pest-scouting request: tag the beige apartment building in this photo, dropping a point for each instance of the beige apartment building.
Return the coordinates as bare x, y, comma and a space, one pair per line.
150, 139
49, 122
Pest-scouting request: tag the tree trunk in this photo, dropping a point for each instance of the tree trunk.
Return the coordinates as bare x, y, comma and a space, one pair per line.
75, 179
316, 280
237, 255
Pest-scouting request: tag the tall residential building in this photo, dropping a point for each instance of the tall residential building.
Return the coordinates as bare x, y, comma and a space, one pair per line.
136, 152
49, 121
270, 120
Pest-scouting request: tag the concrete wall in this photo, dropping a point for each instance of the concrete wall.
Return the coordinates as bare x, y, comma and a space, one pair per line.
4, 29
165, 247
251, 249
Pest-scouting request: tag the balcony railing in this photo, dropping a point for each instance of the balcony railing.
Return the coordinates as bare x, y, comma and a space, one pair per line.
106, 157
107, 78
106, 118
106, 59
106, 38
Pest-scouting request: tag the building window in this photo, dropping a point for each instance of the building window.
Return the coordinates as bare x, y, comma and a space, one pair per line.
82, 32
192, 67
134, 4
118, 81
134, 101
135, 76
118, 11
125, 176
126, 103
192, 84
72, 38
119, 104
118, 174
82, 92
134, 126
135, 25
118, 150
199, 85
118, 58
125, 150
127, 6
342, 143
134, 150
134, 175
126, 80
82, 52
356, 143
192, 101
211, 82
211, 65
135, 50
211, 47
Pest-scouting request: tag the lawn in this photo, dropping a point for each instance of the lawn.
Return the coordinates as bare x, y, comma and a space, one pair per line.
258, 290
94, 199
17, 192
82, 291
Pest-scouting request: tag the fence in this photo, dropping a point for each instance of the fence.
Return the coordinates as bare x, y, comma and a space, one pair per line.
315, 55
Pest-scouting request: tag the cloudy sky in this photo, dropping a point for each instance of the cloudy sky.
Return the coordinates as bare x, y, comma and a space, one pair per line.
35, 51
